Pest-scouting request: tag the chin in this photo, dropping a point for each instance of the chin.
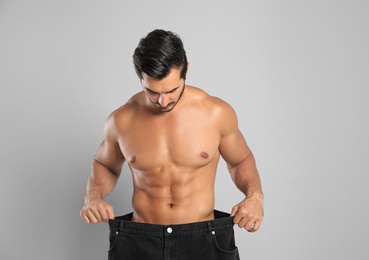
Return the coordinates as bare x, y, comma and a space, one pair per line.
167, 109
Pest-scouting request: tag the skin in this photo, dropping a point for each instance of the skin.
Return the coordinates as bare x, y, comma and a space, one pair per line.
172, 137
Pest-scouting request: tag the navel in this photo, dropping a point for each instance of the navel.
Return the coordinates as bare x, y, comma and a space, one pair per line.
204, 155
133, 159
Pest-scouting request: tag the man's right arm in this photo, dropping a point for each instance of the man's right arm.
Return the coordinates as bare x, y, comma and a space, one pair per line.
106, 168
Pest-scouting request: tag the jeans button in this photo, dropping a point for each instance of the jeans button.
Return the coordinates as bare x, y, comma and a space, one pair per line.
169, 230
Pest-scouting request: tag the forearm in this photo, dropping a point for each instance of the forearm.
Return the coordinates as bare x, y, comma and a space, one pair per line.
249, 213
246, 177
101, 181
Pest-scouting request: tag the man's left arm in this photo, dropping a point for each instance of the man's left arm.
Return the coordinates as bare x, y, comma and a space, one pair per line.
240, 161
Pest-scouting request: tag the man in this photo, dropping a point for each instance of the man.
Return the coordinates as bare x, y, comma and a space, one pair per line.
172, 136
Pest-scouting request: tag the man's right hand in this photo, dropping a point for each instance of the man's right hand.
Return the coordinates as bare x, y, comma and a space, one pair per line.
96, 210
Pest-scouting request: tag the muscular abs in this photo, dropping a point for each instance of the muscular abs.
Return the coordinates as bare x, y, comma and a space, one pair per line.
173, 195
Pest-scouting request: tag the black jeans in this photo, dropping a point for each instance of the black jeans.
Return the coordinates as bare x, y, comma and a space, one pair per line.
212, 240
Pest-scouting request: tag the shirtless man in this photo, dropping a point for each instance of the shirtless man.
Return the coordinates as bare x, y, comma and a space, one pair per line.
172, 136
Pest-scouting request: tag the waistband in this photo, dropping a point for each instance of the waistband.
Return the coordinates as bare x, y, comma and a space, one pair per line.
122, 224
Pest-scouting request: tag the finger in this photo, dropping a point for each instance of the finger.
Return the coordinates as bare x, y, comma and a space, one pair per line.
99, 214
104, 214
250, 225
241, 217
94, 217
257, 225
237, 216
84, 217
110, 212
252, 229
242, 223
107, 213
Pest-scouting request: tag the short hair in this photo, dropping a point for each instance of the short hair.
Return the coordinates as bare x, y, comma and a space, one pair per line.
158, 53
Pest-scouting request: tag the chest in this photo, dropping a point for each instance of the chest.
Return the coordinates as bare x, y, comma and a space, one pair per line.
190, 141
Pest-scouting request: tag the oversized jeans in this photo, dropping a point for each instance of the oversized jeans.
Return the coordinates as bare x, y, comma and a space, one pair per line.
212, 240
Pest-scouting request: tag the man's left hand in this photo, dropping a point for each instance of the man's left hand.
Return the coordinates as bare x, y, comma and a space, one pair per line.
249, 213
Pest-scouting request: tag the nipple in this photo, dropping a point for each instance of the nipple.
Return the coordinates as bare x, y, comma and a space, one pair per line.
133, 159
204, 155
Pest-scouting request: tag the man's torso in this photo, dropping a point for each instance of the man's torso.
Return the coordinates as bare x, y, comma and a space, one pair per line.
173, 158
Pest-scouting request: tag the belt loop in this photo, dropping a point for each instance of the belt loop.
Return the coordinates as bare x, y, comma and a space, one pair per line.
210, 226
121, 226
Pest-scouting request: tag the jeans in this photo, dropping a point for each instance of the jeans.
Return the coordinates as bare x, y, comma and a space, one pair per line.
212, 240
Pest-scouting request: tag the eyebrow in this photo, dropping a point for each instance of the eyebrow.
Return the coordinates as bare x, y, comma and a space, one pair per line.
168, 92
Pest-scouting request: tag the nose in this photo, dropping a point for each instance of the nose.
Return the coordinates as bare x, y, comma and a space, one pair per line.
163, 100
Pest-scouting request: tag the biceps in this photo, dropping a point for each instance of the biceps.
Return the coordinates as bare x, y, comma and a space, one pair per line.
110, 156
234, 148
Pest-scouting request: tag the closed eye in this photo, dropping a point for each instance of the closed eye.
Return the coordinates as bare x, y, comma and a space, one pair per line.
157, 93
151, 92
172, 91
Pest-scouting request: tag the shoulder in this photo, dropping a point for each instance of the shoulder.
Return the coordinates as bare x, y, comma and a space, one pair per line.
119, 119
219, 111
213, 102
225, 116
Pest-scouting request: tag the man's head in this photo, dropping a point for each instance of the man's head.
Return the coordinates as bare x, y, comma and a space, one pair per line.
161, 64
164, 93
158, 53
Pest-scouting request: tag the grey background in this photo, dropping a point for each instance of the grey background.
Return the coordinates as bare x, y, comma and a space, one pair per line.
296, 72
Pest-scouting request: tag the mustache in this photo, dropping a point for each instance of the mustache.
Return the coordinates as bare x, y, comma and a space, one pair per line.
157, 103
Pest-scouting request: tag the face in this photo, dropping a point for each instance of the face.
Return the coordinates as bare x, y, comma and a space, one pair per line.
164, 94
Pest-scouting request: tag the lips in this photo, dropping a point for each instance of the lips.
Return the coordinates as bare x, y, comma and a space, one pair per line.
168, 108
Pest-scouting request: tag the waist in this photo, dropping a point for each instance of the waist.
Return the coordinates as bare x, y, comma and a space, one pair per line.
172, 208
123, 224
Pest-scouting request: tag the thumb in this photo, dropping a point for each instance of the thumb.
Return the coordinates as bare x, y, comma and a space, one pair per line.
111, 214
234, 211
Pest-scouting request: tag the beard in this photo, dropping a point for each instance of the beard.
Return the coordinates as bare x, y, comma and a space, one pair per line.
171, 105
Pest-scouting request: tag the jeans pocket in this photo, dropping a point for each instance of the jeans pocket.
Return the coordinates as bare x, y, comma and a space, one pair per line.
225, 242
113, 240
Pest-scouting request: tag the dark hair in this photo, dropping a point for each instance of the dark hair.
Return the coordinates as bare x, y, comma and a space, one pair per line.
158, 53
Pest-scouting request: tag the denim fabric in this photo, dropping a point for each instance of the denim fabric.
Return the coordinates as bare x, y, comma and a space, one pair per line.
207, 240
